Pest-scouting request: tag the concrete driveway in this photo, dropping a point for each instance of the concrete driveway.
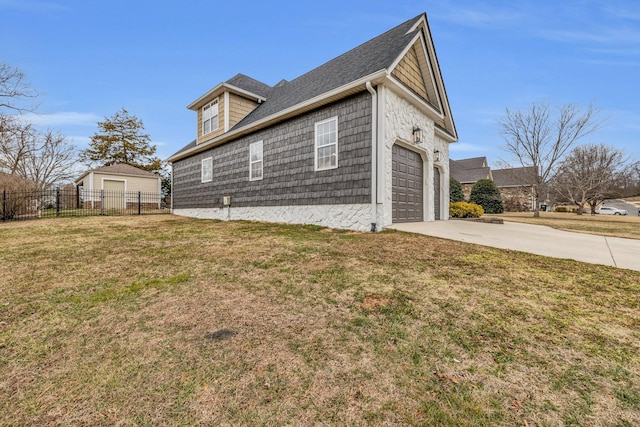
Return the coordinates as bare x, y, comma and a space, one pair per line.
535, 239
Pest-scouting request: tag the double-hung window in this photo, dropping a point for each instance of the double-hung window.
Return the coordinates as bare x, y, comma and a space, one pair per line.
255, 161
327, 144
210, 117
206, 170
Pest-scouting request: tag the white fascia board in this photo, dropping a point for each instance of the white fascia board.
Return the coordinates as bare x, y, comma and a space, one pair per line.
126, 175
434, 72
216, 91
401, 89
420, 22
82, 176
374, 78
226, 111
438, 75
202, 100
243, 92
445, 134
432, 69
421, 104
409, 45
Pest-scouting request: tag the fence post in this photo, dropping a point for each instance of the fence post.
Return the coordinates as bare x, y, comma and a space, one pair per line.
4, 205
138, 203
101, 202
58, 201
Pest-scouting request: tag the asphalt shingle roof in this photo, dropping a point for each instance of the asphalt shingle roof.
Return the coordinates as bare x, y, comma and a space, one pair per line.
371, 56
524, 176
468, 171
124, 169
250, 85
374, 55
472, 163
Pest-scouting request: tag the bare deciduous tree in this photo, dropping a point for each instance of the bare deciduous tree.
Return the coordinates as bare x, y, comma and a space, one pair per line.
14, 90
539, 138
42, 158
16, 143
628, 180
589, 175
51, 160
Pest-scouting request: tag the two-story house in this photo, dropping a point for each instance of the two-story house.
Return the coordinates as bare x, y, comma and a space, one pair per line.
360, 142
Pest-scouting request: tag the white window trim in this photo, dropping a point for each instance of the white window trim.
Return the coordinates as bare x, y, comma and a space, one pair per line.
216, 125
261, 161
208, 160
316, 144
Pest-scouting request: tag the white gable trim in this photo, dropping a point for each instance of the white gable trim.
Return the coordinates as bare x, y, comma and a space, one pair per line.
195, 105
430, 69
226, 111
397, 85
439, 87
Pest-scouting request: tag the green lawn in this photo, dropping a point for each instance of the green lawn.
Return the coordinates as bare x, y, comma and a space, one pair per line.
163, 320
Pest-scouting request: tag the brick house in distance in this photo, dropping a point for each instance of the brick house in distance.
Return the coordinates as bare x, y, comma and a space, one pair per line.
469, 171
515, 184
360, 142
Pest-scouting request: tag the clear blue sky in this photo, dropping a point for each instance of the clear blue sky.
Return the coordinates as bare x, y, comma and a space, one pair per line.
89, 58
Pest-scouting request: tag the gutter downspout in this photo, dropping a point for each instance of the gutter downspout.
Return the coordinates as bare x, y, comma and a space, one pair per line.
374, 155
171, 208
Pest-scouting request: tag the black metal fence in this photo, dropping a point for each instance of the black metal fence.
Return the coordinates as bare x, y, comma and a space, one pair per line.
64, 202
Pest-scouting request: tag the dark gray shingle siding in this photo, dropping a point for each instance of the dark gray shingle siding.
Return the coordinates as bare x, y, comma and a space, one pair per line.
288, 152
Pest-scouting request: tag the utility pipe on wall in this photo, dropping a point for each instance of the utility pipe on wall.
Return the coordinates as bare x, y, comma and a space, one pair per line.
374, 155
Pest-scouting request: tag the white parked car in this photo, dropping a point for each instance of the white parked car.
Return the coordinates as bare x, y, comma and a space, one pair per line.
608, 210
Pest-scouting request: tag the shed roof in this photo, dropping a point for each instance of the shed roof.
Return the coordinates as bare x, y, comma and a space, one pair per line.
120, 169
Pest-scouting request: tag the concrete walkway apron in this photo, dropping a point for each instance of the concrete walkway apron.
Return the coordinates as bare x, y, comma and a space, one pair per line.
535, 239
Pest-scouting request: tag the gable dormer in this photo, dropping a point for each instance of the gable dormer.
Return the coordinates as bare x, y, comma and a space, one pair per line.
221, 108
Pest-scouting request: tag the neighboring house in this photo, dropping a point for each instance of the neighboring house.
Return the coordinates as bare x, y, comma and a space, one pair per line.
115, 186
360, 142
516, 187
469, 171
515, 184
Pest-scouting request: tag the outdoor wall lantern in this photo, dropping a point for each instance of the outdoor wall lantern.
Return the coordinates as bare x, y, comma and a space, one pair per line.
436, 156
417, 135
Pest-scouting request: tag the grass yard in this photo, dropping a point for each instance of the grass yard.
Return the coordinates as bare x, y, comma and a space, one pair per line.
162, 320
605, 225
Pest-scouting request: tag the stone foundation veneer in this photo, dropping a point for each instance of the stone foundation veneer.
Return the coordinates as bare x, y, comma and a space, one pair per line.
351, 217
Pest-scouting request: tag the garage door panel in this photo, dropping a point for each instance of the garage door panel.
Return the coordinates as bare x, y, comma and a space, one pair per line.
407, 185
113, 194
